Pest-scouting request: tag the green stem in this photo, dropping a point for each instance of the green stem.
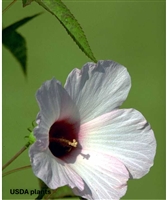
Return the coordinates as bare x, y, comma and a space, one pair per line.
8, 6
15, 170
16, 155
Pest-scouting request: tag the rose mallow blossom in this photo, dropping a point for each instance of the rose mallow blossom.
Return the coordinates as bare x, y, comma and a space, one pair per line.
84, 140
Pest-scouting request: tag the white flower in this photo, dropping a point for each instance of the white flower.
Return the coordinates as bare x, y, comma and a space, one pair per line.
84, 140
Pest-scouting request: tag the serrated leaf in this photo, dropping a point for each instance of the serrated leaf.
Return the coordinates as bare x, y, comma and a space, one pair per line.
68, 21
16, 43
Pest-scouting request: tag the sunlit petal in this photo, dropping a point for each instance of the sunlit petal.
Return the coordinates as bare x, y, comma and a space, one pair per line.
98, 88
124, 134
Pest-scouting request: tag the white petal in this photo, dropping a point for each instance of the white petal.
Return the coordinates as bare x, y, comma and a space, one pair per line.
53, 171
104, 176
55, 104
124, 134
98, 88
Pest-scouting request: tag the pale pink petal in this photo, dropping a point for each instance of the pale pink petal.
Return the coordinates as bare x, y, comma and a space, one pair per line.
123, 134
104, 176
55, 104
98, 88
51, 170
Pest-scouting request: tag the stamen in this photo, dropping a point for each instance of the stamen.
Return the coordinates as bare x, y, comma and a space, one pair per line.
74, 143
65, 142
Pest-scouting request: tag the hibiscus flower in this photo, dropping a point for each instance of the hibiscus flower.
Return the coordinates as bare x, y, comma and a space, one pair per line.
84, 140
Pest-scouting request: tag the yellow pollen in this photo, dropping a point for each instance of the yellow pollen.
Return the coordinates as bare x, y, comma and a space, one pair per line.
74, 143
65, 142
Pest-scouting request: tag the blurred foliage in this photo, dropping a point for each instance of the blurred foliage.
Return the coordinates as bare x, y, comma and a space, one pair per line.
16, 43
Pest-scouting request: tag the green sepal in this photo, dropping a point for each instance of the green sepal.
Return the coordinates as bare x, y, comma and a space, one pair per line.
32, 138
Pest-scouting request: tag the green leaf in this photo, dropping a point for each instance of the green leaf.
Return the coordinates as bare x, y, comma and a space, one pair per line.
68, 21
60, 193
26, 2
44, 190
16, 43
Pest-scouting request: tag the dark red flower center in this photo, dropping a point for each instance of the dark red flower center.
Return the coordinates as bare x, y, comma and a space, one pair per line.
62, 138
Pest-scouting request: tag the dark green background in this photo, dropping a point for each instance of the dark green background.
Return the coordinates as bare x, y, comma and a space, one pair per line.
129, 32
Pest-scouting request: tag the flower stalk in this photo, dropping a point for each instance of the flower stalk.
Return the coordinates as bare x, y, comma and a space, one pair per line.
8, 6
31, 140
16, 155
16, 170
